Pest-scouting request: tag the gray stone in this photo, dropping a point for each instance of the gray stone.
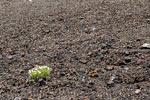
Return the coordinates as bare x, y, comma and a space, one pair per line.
145, 46
9, 56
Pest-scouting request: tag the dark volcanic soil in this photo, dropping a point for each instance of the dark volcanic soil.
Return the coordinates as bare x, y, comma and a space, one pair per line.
93, 47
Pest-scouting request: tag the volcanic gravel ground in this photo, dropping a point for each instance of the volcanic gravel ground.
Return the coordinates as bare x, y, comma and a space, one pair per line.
93, 47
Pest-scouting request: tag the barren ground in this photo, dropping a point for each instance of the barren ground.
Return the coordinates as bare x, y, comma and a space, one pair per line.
93, 47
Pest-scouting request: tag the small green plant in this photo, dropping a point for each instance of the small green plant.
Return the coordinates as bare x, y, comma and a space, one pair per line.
40, 72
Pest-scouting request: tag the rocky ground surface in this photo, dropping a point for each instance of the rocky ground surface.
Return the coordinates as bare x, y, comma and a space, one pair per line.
93, 47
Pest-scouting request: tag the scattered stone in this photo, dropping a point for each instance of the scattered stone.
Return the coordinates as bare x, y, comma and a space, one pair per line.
93, 73
145, 46
83, 79
21, 70
9, 56
90, 54
137, 91
127, 53
112, 78
81, 17
126, 68
83, 61
46, 30
109, 68
93, 28
111, 81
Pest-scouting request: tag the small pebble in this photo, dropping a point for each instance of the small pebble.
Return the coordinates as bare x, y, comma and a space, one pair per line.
90, 54
111, 80
145, 46
83, 79
137, 91
81, 17
9, 56
83, 61
93, 29
126, 68
127, 53
21, 70
109, 68
46, 30
93, 74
